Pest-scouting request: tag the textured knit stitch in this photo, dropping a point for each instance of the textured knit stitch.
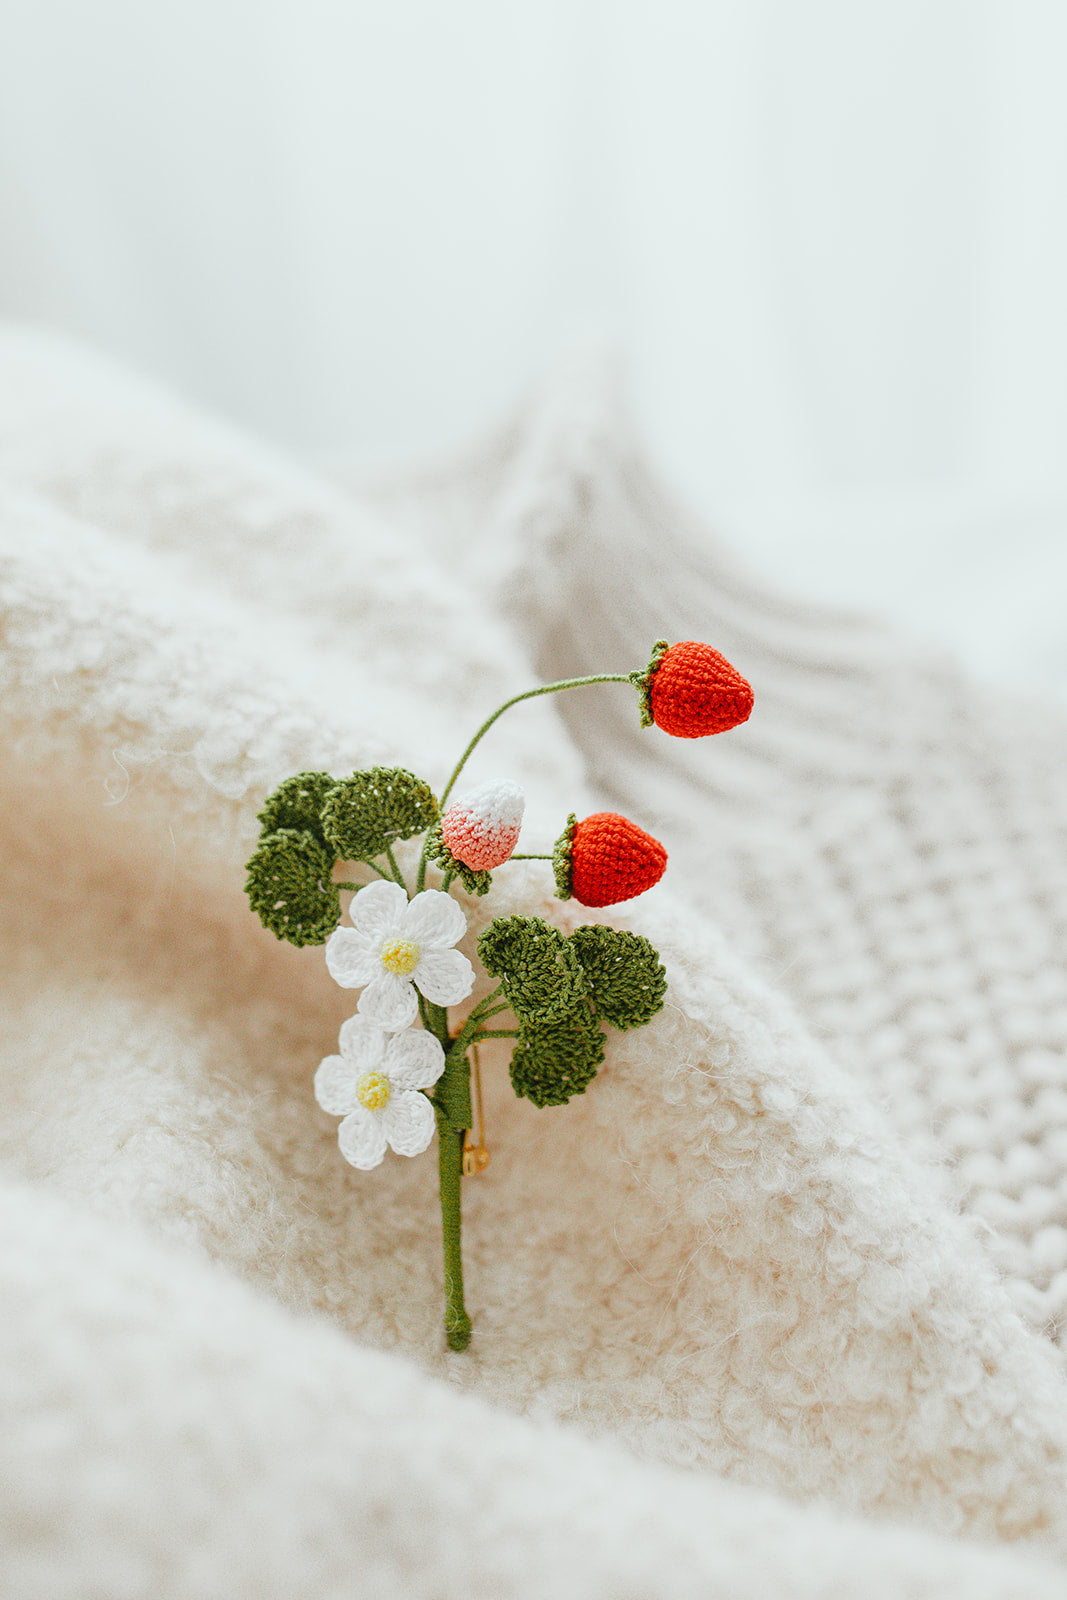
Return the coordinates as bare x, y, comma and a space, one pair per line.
725, 1259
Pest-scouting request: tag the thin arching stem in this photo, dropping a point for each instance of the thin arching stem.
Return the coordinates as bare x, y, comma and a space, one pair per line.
397, 874
528, 694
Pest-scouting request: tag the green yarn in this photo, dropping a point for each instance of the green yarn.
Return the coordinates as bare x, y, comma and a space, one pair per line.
539, 972
289, 887
297, 803
450, 1175
437, 851
363, 814
561, 859
642, 681
552, 1064
452, 1092
626, 979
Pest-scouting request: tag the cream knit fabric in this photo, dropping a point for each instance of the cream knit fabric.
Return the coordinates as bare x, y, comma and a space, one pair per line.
732, 1336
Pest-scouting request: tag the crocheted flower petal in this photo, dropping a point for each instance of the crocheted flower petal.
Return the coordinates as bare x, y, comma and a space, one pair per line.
363, 1043
416, 1060
361, 1137
349, 959
407, 1121
390, 1002
444, 976
433, 918
335, 1086
377, 909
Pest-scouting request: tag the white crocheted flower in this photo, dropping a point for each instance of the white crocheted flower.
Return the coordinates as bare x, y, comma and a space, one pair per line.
395, 946
374, 1084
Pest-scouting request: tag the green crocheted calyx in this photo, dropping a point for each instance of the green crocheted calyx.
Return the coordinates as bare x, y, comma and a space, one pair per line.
540, 974
363, 815
642, 681
561, 859
551, 1064
289, 887
626, 979
437, 851
297, 803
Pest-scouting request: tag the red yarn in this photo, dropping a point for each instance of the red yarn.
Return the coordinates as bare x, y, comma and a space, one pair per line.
695, 691
613, 859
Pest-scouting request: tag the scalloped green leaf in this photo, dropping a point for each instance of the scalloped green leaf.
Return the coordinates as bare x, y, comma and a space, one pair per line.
627, 983
552, 1063
364, 814
289, 887
297, 803
542, 978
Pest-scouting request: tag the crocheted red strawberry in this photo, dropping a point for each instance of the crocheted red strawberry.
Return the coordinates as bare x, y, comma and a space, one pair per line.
690, 690
606, 859
482, 827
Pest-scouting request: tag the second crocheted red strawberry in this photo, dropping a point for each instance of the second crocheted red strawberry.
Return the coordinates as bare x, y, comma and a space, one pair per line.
690, 690
605, 859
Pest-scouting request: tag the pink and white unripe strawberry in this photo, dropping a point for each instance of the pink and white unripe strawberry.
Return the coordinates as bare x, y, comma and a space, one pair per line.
482, 827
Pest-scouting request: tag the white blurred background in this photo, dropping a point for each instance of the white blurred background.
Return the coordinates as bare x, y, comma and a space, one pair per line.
829, 239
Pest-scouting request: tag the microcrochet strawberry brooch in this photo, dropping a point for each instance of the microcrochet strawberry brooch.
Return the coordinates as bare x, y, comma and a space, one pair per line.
403, 1068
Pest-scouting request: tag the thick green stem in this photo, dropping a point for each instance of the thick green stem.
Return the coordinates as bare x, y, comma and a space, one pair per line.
451, 1093
450, 1167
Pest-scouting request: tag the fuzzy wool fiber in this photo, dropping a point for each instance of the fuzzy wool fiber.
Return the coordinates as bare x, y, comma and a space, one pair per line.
772, 1310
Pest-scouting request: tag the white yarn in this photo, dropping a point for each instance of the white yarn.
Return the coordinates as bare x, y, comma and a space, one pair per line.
721, 1259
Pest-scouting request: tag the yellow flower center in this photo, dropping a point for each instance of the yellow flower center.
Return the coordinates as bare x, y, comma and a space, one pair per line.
372, 1090
400, 956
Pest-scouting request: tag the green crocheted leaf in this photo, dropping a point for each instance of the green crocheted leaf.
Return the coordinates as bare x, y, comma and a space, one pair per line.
561, 859
296, 803
289, 887
437, 851
551, 1064
540, 974
363, 814
642, 681
626, 979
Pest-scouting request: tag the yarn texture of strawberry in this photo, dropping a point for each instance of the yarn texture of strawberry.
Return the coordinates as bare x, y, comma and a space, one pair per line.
690, 690
606, 859
481, 829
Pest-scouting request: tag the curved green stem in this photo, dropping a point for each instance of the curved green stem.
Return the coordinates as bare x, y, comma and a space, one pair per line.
528, 694
523, 856
397, 874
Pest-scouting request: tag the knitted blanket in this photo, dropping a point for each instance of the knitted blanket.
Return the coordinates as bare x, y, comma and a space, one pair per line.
772, 1309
